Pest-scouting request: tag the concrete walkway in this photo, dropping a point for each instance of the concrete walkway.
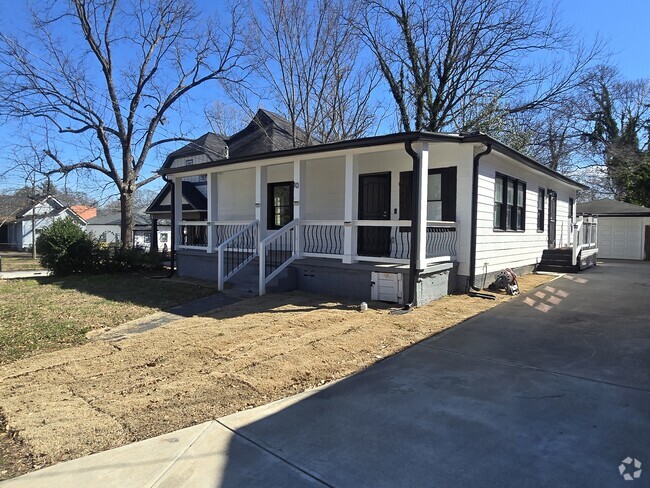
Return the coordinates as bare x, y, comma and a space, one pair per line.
550, 389
12, 275
199, 306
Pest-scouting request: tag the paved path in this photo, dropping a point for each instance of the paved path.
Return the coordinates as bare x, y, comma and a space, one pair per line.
550, 389
195, 307
12, 275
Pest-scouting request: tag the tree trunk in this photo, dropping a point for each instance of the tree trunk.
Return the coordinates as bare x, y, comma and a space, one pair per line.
126, 207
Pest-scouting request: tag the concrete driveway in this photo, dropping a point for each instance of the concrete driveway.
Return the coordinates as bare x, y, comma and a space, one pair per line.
551, 389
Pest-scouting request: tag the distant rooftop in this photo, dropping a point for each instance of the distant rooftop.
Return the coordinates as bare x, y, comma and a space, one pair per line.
612, 207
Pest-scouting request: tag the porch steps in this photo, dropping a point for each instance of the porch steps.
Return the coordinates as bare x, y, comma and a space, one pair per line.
558, 261
245, 283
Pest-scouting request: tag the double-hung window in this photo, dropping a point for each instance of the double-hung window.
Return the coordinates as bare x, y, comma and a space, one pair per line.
509, 203
541, 198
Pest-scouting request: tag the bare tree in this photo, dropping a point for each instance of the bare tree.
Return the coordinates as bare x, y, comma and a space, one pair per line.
308, 62
104, 75
451, 64
618, 132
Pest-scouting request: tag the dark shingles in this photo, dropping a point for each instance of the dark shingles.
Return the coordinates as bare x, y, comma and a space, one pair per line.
611, 207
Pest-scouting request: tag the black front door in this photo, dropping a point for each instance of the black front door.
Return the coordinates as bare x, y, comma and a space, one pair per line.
374, 204
552, 210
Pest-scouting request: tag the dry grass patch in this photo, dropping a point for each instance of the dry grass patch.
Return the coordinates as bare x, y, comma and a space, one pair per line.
50, 313
201, 368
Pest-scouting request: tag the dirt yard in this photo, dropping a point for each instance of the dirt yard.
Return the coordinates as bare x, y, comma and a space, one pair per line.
83, 399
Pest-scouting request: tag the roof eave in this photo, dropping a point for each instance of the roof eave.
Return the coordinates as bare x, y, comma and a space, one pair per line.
399, 137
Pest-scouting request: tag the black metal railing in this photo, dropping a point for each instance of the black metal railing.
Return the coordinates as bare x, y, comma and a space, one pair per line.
278, 251
238, 250
323, 238
195, 235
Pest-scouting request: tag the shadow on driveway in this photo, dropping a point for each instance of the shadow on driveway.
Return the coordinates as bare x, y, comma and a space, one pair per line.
517, 396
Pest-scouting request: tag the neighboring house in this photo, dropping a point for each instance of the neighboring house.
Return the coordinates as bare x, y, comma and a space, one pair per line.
106, 228
355, 218
86, 212
18, 213
623, 228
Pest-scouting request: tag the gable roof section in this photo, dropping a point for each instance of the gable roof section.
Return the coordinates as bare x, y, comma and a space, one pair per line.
191, 192
211, 144
613, 208
401, 137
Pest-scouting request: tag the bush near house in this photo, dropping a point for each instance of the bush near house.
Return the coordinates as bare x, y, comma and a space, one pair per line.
66, 249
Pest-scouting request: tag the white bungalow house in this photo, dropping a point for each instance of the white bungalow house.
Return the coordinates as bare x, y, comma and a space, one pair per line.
404, 217
22, 220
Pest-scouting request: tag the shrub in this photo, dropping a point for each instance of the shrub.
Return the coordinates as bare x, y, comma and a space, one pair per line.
65, 247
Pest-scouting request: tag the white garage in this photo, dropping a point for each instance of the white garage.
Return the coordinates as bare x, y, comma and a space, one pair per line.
623, 229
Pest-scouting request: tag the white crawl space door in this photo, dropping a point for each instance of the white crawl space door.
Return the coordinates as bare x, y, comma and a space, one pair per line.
387, 287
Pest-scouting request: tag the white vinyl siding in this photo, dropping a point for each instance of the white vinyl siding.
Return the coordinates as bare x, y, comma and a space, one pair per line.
496, 249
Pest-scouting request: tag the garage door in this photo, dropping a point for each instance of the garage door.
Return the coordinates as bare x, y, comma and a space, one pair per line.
620, 238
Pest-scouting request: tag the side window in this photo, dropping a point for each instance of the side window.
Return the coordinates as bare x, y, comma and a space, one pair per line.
509, 203
499, 204
541, 198
280, 204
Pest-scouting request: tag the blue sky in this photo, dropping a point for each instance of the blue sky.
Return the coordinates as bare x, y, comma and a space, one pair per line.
622, 24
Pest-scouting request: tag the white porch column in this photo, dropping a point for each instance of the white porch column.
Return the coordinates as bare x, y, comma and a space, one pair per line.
298, 195
423, 192
178, 211
213, 215
260, 198
350, 209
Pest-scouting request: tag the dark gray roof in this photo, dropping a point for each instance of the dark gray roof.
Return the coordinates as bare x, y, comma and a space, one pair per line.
115, 218
613, 208
12, 205
267, 132
211, 144
400, 137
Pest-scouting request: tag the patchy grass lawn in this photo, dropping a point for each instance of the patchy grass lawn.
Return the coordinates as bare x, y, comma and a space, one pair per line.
20, 264
49, 313
201, 368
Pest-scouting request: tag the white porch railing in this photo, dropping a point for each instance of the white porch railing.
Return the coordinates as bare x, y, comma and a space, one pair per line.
585, 232
236, 252
277, 252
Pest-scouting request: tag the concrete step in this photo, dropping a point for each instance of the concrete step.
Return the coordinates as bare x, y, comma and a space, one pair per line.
557, 268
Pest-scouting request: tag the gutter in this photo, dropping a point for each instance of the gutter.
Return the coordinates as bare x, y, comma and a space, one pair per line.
172, 250
414, 273
474, 291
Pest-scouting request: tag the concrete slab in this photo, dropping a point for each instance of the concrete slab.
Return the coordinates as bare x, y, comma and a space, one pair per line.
434, 418
518, 396
13, 275
139, 464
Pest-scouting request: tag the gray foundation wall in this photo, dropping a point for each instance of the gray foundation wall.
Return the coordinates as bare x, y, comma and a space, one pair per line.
436, 283
354, 281
197, 264
327, 277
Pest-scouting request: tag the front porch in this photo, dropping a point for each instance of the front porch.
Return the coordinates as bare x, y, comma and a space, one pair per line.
349, 208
